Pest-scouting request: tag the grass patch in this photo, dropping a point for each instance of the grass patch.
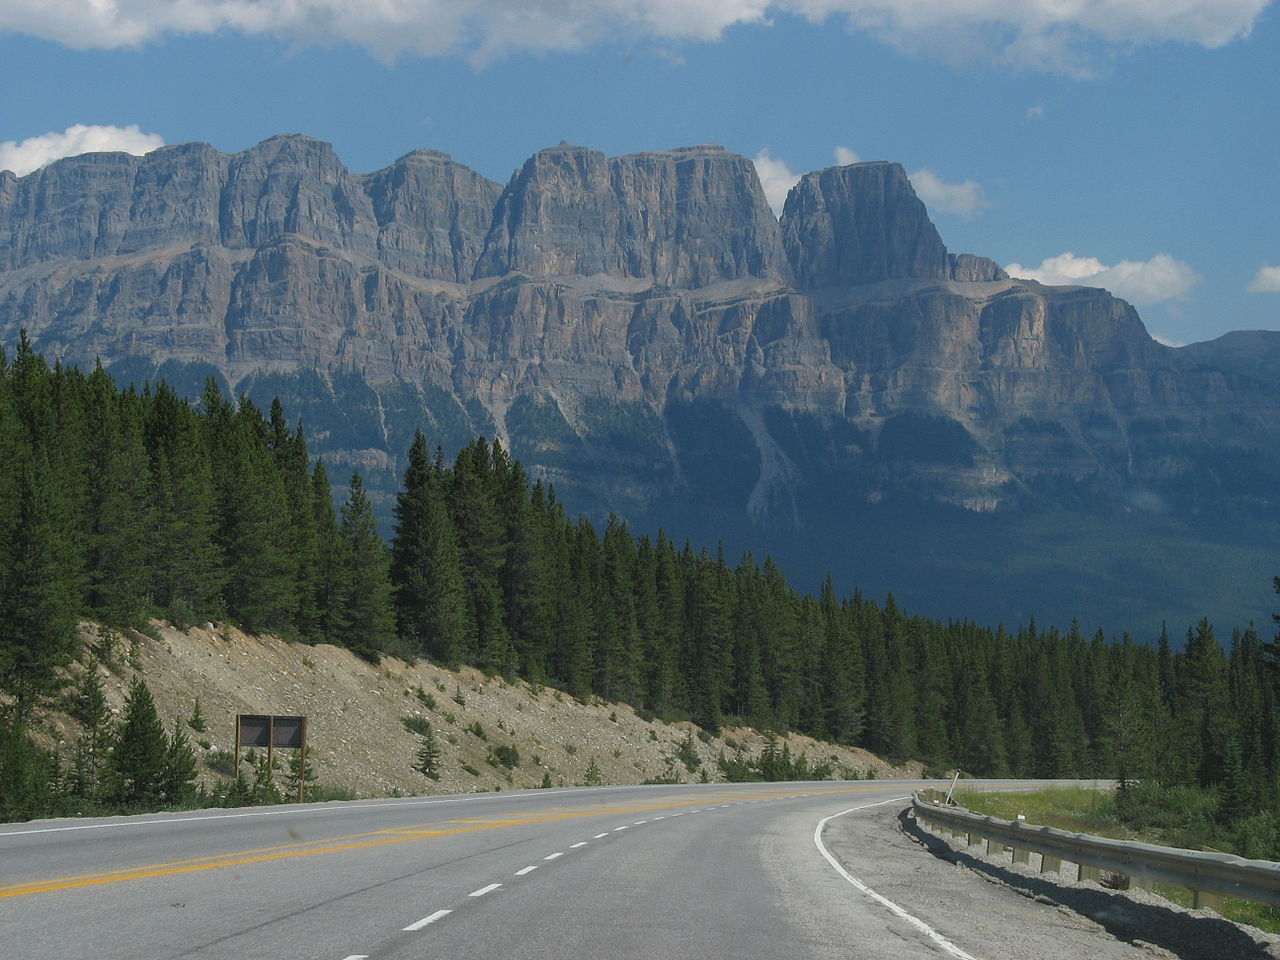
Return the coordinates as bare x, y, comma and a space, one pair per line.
1081, 810
1077, 809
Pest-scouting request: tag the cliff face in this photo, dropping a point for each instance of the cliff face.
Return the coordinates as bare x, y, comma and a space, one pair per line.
682, 218
640, 329
860, 224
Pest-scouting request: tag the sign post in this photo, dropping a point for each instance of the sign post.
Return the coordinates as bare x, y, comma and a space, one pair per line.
266, 730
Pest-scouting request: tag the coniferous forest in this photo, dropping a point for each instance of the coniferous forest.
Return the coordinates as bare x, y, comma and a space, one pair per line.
117, 505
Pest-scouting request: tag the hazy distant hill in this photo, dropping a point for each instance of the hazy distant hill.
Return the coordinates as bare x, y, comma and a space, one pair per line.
834, 386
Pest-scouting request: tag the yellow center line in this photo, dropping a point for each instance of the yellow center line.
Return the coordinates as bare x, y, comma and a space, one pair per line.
357, 841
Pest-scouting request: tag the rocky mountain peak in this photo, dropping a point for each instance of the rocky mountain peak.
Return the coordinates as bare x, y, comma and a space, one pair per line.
860, 223
432, 215
688, 217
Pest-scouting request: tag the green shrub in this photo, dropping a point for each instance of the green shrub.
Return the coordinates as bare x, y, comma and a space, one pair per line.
415, 724
507, 755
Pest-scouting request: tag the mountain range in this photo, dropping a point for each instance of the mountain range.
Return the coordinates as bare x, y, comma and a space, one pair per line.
832, 385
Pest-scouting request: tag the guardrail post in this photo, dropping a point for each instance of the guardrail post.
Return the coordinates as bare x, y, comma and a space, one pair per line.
995, 848
1121, 864
1203, 900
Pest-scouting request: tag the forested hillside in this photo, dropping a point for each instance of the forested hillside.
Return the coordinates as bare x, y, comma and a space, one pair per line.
117, 505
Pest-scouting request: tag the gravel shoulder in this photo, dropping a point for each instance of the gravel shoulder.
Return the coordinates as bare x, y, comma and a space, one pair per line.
998, 910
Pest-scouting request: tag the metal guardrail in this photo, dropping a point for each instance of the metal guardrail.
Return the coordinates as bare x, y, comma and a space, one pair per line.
1209, 876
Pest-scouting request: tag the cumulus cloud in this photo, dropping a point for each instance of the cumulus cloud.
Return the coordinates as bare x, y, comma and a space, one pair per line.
1057, 35
35, 152
844, 156
776, 178
1267, 280
1142, 282
963, 199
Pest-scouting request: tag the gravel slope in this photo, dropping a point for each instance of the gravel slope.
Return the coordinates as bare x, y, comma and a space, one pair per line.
359, 742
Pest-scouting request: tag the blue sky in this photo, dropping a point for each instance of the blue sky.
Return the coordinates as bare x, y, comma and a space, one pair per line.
1140, 137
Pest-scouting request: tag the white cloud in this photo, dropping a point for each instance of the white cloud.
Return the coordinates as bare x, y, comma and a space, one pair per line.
776, 178
844, 156
35, 152
1142, 282
1267, 280
964, 199
1055, 35
1036, 112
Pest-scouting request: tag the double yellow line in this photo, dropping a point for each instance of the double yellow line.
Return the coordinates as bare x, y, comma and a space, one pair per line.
357, 841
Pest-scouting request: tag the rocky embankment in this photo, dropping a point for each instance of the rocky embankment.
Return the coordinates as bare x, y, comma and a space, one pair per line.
356, 712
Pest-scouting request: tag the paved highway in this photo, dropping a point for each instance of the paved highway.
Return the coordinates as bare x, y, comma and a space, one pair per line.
707, 872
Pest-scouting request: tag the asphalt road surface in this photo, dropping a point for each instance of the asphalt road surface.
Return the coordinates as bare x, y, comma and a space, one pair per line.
663, 872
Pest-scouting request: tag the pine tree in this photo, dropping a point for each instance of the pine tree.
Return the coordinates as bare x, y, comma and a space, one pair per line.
118, 505
426, 572
428, 759
300, 773
264, 791
328, 582
187, 570
38, 590
261, 591
368, 613
139, 762
1201, 723
179, 783
482, 549
89, 706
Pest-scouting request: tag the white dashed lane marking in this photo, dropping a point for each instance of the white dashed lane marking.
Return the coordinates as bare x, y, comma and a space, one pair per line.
427, 920
525, 871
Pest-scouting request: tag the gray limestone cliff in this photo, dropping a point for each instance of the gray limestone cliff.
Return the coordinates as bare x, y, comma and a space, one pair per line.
640, 329
859, 224
682, 218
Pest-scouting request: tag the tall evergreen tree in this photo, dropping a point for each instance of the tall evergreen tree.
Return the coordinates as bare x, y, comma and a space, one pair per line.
369, 616
137, 769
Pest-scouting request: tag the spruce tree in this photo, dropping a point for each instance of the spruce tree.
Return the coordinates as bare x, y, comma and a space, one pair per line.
428, 759
328, 581
119, 506
38, 589
137, 769
368, 613
187, 569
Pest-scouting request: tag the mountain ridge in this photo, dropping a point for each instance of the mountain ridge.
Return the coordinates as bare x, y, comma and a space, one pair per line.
645, 319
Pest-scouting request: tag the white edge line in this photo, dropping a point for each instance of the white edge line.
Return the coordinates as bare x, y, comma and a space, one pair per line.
426, 920
526, 870
357, 956
919, 924
483, 890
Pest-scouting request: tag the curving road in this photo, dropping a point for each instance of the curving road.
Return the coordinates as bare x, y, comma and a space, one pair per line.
708, 872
